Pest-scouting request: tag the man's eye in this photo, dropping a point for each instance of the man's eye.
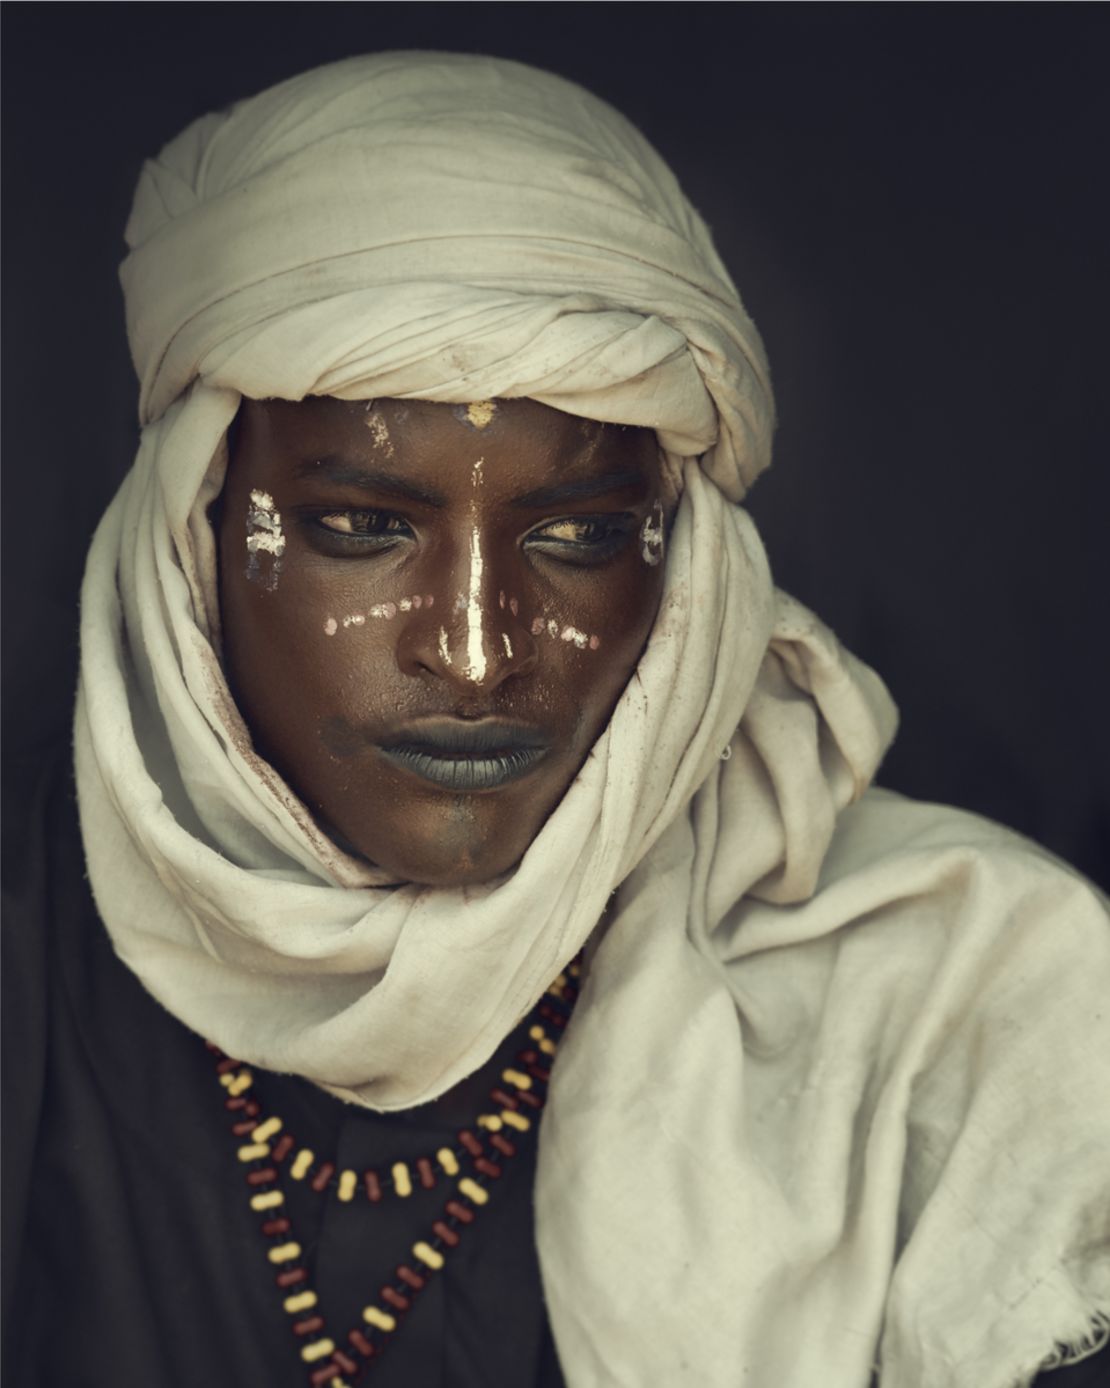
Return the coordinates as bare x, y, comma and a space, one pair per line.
583, 539
363, 524
573, 532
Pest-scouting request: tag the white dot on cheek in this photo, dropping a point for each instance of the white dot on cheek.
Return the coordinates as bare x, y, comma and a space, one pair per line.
331, 626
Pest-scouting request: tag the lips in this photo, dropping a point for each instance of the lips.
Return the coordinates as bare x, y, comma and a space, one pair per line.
464, 756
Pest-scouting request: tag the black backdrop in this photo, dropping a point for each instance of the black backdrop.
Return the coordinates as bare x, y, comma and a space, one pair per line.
913, 200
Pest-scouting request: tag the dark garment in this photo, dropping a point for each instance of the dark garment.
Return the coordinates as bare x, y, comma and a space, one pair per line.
137, 1258
131, 1255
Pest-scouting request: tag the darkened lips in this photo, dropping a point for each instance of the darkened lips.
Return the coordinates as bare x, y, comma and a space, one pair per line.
466, 756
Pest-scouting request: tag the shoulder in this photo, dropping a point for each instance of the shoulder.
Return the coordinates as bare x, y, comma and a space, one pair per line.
914, 852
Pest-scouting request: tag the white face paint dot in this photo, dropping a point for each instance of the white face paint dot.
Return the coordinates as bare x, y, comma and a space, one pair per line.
507, 644
595, 641
331, 626
418, 601
405, 604
514, 606
480, 412
553, 628
428, 600
537, 626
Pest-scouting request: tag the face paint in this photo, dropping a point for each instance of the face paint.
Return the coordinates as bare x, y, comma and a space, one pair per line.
476, 478
651, 536
475, 648
379, 431
264, 536
581, 639
480, 413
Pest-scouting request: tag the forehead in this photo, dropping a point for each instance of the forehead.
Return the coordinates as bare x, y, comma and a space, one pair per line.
517, 443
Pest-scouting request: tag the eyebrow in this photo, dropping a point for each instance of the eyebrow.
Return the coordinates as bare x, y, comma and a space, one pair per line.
344, 472
348, 474
582, 488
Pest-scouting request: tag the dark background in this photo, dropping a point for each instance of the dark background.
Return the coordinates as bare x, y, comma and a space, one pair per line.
913, 200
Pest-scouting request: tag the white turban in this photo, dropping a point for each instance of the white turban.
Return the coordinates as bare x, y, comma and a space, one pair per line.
807, 1031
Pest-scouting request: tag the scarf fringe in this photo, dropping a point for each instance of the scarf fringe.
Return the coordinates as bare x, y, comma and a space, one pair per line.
1089, 1341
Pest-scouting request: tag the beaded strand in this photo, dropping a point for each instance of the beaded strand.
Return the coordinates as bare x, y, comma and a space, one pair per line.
468, 1164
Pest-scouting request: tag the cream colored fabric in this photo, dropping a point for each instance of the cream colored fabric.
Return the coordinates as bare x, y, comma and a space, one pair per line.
831, 1095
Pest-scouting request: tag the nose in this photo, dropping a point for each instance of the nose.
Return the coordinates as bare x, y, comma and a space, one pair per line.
475, 636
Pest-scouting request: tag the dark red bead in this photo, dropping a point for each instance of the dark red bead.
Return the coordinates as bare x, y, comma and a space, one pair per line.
291, 1276
361, 1343
461, 1213
470, 1142
282, 1148
503, 1145
487, 1168
426, 1172
235, 1103
273, 1227
251, 1109
319, 1377
345, 1362
504, 1100
323, 1176
261, 1178
528, 1057
446, 1233
226, 1066
395, 1299
532, 1100
538, 1072
243, 1127
411, 1279
308, 1326
373, 1186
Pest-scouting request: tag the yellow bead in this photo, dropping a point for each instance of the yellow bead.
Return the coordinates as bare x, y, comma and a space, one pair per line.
515, 1077
427, 1255
285, 1252
402, 1181
254, 1151
268, 1200
317, 1350
537, 1033
548, 1047
242, 1082
381, 1320
301, 1164
266, 1130
448, 1161
347, 1183
515, 1120
575, 970
301, 1302
473, 1191
490, 1121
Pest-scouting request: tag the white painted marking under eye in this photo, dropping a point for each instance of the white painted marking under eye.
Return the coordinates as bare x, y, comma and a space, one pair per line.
331, 626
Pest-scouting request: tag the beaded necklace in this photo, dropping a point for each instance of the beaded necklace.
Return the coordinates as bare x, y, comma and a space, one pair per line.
469, 1164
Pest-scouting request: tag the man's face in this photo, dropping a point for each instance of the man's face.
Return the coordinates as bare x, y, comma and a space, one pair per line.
430, 611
